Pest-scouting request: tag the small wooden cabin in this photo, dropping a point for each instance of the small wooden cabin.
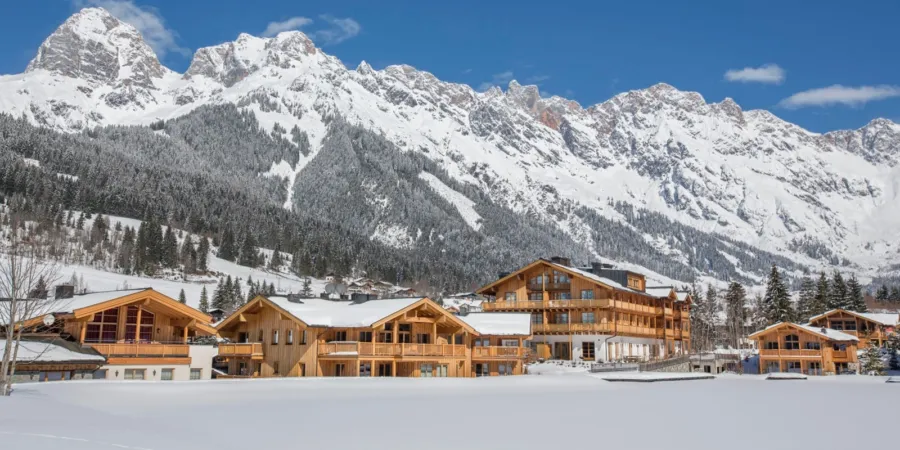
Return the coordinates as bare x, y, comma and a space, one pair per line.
791, 347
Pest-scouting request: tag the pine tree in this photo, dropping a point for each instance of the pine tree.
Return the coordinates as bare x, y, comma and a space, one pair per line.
170, 249
203, 255
735, 312
80, 224
837, 296
306, 291
277, 261
776, 303
237, 295
895, 294
249, 256
204, 302
870, 362
181, 297
820, 303
228, 294
219, 299
855, 299
883, 293
226, 249
806, 301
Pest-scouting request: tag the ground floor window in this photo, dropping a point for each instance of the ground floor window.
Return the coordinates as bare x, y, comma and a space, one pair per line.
196, 374
773, 367
587, 350
505, 369
794, 367
441, 371
385, 370
814, 368
99, 374
167, 374
242, 368
425, 370
482, 370
134, 374
365, 369
339, 370
301, 370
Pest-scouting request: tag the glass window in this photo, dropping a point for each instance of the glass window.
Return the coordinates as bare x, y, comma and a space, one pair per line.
365, 336
813, 346
482, 370
771, 345
510, 296
365, 369
459, 339
274, 337
275, 368
196, 374
134, 374
262, 336
793, 366
563, 296
340, 336
792, 342
535, 296
441, 371
290, 337
425, 371
587, 350
167, 375
537, 318
501, 370
587, 294
587, 317
561, 318
303, 337
773, 367
99, 374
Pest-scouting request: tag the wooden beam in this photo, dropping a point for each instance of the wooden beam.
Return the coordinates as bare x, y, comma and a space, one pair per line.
420, 320
137, 327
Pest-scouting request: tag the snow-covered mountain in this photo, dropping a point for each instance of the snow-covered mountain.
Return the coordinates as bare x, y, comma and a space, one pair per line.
817, 199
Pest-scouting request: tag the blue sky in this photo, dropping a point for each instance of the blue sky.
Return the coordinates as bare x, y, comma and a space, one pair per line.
825, 65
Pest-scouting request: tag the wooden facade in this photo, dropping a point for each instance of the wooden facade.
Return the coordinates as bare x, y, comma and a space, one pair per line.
788, 347
421, 340
867, 327
565, 301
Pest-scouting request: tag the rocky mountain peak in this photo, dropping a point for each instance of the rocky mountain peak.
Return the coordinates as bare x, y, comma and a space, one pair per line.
93, 45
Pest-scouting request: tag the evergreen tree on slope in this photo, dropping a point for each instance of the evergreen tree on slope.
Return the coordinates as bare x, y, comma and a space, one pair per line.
820, 303
837, 296
776, 303
204, 302
181, 297
855, 300
807, 300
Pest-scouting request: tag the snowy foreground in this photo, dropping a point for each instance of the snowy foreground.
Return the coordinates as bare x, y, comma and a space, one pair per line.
528, 412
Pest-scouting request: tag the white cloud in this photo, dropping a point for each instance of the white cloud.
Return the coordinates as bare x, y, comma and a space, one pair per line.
484, 86
840, 95
340, 29
294, 23
467, 71
503, 77
537, 79
146, 20
769, 73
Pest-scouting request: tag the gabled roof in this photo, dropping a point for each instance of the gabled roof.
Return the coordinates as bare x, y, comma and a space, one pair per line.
315, 312
660, 291
880, 318
827, 333
499, 324
606, 282
53, 351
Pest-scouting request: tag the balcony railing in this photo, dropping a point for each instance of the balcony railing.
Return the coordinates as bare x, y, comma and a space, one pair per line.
149, 350
249, 349
790, 353
498, 352
354, 349
570, 303
840, 354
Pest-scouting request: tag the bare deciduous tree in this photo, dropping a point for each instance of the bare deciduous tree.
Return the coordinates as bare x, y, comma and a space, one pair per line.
24, 283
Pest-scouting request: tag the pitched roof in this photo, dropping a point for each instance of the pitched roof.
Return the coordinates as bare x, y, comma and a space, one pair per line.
84, 300
37, 351
682, 295
499, 324
328, 313
659, 291
827, 333
881, 318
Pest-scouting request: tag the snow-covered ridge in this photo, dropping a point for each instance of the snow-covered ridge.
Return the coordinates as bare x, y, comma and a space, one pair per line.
745, 174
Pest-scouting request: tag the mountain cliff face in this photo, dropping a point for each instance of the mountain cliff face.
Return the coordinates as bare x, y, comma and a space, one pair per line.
766, 184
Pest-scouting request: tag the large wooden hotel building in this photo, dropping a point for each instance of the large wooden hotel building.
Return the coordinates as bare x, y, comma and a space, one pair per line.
595, 313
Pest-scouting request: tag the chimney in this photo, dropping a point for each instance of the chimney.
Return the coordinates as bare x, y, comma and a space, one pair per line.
597, 267
561, 260
65, 291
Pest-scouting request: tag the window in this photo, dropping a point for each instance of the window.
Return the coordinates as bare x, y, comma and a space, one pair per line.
458, 340
771, 345
535, 296
587, 350
275, 368
425, 371
290, 337
134, 374
303, 337
422, 338
386, 336
537, 318
587, 294
773, 367
365, 369
262, 336
441, 371
340, 336
561, 318
274, 337
131, 324
587, 317
365, 336
166, 374
560, 277
510, 296
562, 296
482, 370
483, 342
301, 369
837, 326
794, 366
509, 343
505, 369
338, 370
813, 346
99, 374
197, 374
103, 327
840, 347
791, 342
850, 325
814, 368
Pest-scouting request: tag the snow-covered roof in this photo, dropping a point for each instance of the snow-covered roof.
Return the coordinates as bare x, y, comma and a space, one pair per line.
887, 319
659, 291
826, 333
328, 313
682, 295
498, 324
84, 300
39, 351
594, 277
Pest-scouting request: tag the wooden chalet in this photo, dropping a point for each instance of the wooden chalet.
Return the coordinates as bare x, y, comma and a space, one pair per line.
42, 359
791, 347
870, 328
142, 334
404, 337
594, 313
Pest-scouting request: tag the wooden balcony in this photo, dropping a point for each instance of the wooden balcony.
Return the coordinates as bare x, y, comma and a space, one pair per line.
781, 353
252, 350
522, 305
840, 354
668, 311
498, 352
363, 349
148, 350
512, 306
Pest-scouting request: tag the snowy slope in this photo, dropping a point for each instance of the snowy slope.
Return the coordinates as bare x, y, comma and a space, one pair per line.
745, 174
